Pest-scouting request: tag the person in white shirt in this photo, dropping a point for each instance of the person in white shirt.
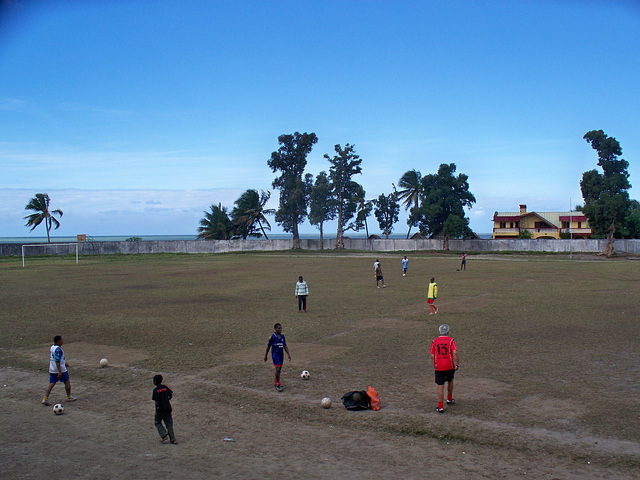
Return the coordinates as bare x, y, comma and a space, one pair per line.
57, 370
302, 291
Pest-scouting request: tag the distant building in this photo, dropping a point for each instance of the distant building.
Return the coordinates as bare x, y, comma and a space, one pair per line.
540, 224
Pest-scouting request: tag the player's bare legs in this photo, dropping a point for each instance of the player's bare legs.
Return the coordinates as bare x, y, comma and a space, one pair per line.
450, 392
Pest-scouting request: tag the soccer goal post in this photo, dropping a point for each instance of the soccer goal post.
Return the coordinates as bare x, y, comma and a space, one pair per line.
49, 246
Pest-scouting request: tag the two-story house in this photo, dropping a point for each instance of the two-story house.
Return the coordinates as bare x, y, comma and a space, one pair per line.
540, 224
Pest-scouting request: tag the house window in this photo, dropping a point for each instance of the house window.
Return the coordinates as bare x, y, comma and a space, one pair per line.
579, 224
517, 224
503, 224
511, 225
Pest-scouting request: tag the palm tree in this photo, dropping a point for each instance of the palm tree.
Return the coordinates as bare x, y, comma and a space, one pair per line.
410, 191
249, 212
363, 210
40, 205
216, 224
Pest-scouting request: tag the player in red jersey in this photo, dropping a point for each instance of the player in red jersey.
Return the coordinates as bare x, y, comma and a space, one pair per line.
444, 354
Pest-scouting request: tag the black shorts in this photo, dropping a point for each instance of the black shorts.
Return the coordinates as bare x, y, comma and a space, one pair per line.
443, 376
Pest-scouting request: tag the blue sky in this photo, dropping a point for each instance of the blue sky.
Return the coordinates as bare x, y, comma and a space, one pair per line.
136, 116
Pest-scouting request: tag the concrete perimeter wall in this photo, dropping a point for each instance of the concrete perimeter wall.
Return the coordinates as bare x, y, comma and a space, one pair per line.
391, 245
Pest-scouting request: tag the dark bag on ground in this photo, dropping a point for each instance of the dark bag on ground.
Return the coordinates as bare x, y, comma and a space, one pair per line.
356, 400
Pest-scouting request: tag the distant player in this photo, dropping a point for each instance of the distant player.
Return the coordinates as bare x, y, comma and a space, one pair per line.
375, 267
278, 346
432, 294
57, 370
162, 396
302, 291
379, 276
444, 354
463, 263
405, 266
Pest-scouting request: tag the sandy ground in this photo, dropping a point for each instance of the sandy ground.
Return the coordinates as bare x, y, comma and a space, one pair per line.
109, 433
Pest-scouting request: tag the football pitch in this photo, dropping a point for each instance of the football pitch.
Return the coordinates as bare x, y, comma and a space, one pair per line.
549, 350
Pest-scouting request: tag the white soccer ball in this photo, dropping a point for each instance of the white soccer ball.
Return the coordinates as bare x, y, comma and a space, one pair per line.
326, 402
58, 409
305, 375
104, 362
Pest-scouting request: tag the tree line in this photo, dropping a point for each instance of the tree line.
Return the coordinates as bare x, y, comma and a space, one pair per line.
435, 202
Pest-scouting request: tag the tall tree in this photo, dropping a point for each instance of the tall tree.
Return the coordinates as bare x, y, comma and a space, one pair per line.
632, 222
249, 214
291, 159
216, 224
443, 198
606, 196
321, 206
363, 210
344, 165
40, 205
409, 193
386, 211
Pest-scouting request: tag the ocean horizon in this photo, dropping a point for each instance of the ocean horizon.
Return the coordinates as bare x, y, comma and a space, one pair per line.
150, 238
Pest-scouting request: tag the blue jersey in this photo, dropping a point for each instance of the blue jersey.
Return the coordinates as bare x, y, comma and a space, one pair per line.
277, 344
405, 263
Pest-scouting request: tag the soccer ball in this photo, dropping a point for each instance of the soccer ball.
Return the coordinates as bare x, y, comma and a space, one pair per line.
104, 362
58, 409
325, 402
305, 375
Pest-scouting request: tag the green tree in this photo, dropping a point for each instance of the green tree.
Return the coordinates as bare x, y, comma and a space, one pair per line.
632, 221
344, 165
409, 193
606, 196
386, 211
291, 159
443, 198
249, 214
363, 210
321, 206
216, 224
40, 205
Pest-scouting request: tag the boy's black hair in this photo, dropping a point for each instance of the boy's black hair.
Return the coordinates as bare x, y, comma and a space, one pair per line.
300, 278
57, 338
276, 326
157, 379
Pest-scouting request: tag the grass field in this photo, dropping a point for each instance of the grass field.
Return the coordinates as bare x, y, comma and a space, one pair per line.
549, 346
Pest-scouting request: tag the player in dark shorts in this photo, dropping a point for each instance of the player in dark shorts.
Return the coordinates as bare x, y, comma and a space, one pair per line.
278, 345
444, 354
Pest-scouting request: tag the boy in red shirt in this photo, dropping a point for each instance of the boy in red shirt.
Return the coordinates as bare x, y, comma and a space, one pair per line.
444, 354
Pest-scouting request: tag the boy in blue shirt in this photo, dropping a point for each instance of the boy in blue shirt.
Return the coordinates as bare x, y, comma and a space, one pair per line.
278, 346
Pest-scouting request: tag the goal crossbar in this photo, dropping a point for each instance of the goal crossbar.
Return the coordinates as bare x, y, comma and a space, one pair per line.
49, 245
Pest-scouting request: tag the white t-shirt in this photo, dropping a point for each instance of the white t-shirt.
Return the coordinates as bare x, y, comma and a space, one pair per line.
56, 355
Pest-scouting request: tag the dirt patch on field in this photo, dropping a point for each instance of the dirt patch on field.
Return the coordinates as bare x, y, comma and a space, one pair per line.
553, 408
108, 433
480, 388
81, 353
304, 354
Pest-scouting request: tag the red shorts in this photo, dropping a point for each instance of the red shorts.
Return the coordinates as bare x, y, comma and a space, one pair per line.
430, 301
